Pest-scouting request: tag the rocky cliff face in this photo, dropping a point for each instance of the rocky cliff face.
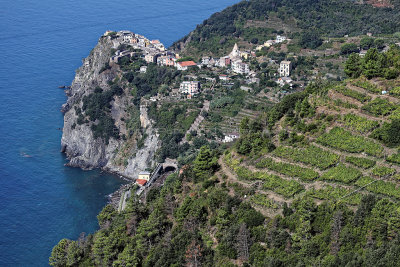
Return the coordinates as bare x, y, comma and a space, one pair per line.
120, 156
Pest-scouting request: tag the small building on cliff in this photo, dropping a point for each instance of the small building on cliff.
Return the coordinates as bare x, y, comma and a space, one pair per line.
144, 175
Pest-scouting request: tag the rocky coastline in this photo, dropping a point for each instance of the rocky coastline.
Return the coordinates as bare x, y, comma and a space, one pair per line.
78, 142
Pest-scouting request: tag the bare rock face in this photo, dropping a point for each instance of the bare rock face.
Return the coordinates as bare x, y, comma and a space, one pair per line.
78, 142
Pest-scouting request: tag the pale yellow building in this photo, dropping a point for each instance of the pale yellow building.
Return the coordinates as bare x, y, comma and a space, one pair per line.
144, 176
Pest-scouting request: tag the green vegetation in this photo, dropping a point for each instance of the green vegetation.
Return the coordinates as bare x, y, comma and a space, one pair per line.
286, 188
335, 194
353, 94
394, 158
358, 123
288, 169
344, 140
264, 201
379, 187
388, 133
309, 155
211, 215
342, 174
348, 49
361, 162
219, 32
395, 114
379, 107
365, 84
395, 91
344, 104
383, 171
374, 64
97, 107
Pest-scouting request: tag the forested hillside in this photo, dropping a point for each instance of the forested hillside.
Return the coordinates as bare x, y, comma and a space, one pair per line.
255, 21
313, 181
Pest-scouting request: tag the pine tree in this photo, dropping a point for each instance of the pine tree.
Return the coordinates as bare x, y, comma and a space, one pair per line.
352, 66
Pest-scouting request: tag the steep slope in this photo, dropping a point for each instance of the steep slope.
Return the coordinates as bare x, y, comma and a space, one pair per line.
313, 182
256, 20
97, 114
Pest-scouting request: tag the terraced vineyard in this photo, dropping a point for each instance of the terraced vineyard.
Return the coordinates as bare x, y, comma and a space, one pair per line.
340, 161
230, 115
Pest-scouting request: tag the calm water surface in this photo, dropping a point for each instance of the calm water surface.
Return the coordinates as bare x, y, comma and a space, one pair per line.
41, 44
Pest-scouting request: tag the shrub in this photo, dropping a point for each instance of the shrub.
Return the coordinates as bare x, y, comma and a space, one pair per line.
379, 187
388, 133
366, 85
379, 107
341, 173
335, 193
394, 158
347, 49
353, 94
344, 140
264, 201
381, 171
358, 123
361, 162
309, 155
288, 169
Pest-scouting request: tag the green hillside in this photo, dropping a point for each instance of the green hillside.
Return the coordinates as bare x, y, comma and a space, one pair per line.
314, 181
256, 21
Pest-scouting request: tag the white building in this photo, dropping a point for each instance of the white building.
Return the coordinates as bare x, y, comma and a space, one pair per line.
189, 87
205, 60
284, 68
150, 58
127, 36
280, 39
235, 52
240, 67
284, 80
143, 69
230, 137
224, 77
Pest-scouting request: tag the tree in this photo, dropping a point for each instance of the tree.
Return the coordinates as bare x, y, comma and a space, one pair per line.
348, 49
366, 43
310, 39
352, 67
59, 253
379, 44
205, 163
372, 64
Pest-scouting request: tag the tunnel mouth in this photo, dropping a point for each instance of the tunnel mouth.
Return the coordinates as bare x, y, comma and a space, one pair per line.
169, 169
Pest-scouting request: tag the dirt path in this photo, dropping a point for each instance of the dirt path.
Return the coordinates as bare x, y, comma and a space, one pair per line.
195, 125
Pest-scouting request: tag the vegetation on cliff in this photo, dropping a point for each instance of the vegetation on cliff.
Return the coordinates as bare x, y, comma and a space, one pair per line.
256, 21
311, 181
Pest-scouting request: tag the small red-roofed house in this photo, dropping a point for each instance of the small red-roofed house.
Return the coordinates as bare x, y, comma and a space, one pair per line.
183, 65
141, 182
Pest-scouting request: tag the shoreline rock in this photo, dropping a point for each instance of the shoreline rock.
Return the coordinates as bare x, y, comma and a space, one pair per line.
78, 142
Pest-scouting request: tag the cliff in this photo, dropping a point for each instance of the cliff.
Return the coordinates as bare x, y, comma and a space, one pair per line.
119, 153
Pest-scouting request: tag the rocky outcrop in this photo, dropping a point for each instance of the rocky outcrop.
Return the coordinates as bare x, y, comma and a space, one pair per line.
78, 142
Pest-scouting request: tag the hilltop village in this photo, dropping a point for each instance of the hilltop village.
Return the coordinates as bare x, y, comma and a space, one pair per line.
226, 68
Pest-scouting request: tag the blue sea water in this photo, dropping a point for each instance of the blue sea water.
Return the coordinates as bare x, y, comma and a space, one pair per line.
41, 44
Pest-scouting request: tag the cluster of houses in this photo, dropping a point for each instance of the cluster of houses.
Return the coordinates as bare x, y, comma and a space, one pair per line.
279, 39
153, 51
234, 60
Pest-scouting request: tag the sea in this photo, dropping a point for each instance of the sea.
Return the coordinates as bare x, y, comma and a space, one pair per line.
42, 43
